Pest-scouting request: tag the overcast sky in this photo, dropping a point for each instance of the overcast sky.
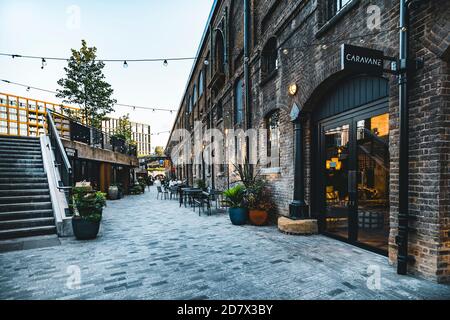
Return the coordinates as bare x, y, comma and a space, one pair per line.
130, 29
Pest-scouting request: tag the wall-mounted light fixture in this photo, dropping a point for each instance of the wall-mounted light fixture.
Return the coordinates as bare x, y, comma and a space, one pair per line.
293, 88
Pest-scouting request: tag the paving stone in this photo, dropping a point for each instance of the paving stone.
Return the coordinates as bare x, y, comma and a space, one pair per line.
152, 249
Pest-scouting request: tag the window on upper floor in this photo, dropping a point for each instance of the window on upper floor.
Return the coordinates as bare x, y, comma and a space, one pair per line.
333, 7
194, 95
273, 139
269, 57
189, 103
219, 53
200, 84
238, 102
219, 110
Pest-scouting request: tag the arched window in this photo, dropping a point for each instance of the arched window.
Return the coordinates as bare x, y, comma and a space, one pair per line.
270, 57
194, 95
238, 102
273, 139
200, 84
219, 53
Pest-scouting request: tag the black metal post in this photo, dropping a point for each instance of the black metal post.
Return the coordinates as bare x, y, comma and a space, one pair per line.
403, 210
298, 208
248, 121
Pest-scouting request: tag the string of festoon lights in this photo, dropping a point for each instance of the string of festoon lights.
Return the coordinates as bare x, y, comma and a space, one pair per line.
165, 61
134, 107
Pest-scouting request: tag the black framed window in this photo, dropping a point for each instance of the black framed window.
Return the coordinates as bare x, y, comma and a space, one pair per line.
219, 110
219, 52
335, 6
238, 102
270, 57
194, 95
273, 139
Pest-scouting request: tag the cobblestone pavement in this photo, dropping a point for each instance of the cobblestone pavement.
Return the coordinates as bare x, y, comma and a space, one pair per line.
152, 249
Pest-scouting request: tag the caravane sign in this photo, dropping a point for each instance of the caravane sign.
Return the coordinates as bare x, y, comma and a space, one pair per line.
361, 60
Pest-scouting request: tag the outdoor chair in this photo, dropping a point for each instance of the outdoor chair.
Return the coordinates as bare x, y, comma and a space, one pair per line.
162, 193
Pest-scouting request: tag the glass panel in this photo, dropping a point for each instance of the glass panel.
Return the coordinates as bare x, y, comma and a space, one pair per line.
373, 181
336, 179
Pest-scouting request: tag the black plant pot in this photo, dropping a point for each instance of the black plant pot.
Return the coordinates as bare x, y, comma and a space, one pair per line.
84, 229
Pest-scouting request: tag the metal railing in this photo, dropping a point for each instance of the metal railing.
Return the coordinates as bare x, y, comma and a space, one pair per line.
62, 162
93, 137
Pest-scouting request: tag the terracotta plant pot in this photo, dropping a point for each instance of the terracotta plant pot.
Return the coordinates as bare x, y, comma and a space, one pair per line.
258, 217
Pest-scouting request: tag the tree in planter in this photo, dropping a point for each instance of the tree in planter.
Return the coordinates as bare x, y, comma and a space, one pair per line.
85, 86
123, 130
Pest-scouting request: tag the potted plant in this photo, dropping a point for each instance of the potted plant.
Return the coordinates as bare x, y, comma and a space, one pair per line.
234, 198
201, 184
113, 192
259, 203
136, 189
88, 208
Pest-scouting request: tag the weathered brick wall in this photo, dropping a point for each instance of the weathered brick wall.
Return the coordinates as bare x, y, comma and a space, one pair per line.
312, 61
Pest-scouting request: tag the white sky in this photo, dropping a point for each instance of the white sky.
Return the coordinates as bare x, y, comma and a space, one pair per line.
123, 29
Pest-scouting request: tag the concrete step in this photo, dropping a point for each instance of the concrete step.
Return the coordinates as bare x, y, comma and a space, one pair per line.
16, 149
19, 139
24, 199
21, 165
27, 214
24, 174
24, 192
20, 144
7, 162
27, 232
21, 155
23, 186
23, 180
19, 170
26, 223
11, 207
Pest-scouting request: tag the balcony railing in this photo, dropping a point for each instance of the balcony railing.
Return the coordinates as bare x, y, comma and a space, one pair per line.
74, 130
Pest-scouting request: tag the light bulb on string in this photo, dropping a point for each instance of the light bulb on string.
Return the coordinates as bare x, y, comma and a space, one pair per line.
28, 89
44, 63
206, 62
125, 64
165, 63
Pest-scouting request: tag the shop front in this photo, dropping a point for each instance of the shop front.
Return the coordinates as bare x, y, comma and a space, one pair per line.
351, 171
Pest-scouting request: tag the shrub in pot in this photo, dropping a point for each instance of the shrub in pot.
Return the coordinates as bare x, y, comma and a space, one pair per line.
88, 208
234, 198
259, 202
136, 189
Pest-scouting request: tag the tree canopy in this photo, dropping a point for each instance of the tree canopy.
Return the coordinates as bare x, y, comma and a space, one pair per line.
85, 86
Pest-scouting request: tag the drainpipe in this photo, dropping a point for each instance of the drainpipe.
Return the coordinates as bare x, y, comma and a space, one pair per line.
403, 210
248, 122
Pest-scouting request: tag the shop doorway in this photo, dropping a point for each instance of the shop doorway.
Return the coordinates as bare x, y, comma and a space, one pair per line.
353, 170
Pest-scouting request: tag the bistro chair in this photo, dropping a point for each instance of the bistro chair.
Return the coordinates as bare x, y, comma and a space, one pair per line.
162, 193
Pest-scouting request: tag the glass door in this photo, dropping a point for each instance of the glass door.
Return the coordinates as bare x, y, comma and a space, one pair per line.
336, 161
373, 180
355, 179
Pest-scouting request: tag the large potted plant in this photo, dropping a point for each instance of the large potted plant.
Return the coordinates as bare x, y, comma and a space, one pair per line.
88, 209
259, 202
113, 192
234, 198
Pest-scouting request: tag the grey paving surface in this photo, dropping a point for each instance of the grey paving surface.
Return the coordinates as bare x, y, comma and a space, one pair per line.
151, 249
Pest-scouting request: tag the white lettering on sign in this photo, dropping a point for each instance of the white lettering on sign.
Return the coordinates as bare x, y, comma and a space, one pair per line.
364, 60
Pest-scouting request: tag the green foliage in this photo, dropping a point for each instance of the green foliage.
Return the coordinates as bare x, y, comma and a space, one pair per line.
234, 197
159, 151
85, 86
201, 184
246, 174
89, 204
123, 130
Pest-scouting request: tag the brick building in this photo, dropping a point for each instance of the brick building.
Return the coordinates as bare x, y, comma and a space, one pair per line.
349, 120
